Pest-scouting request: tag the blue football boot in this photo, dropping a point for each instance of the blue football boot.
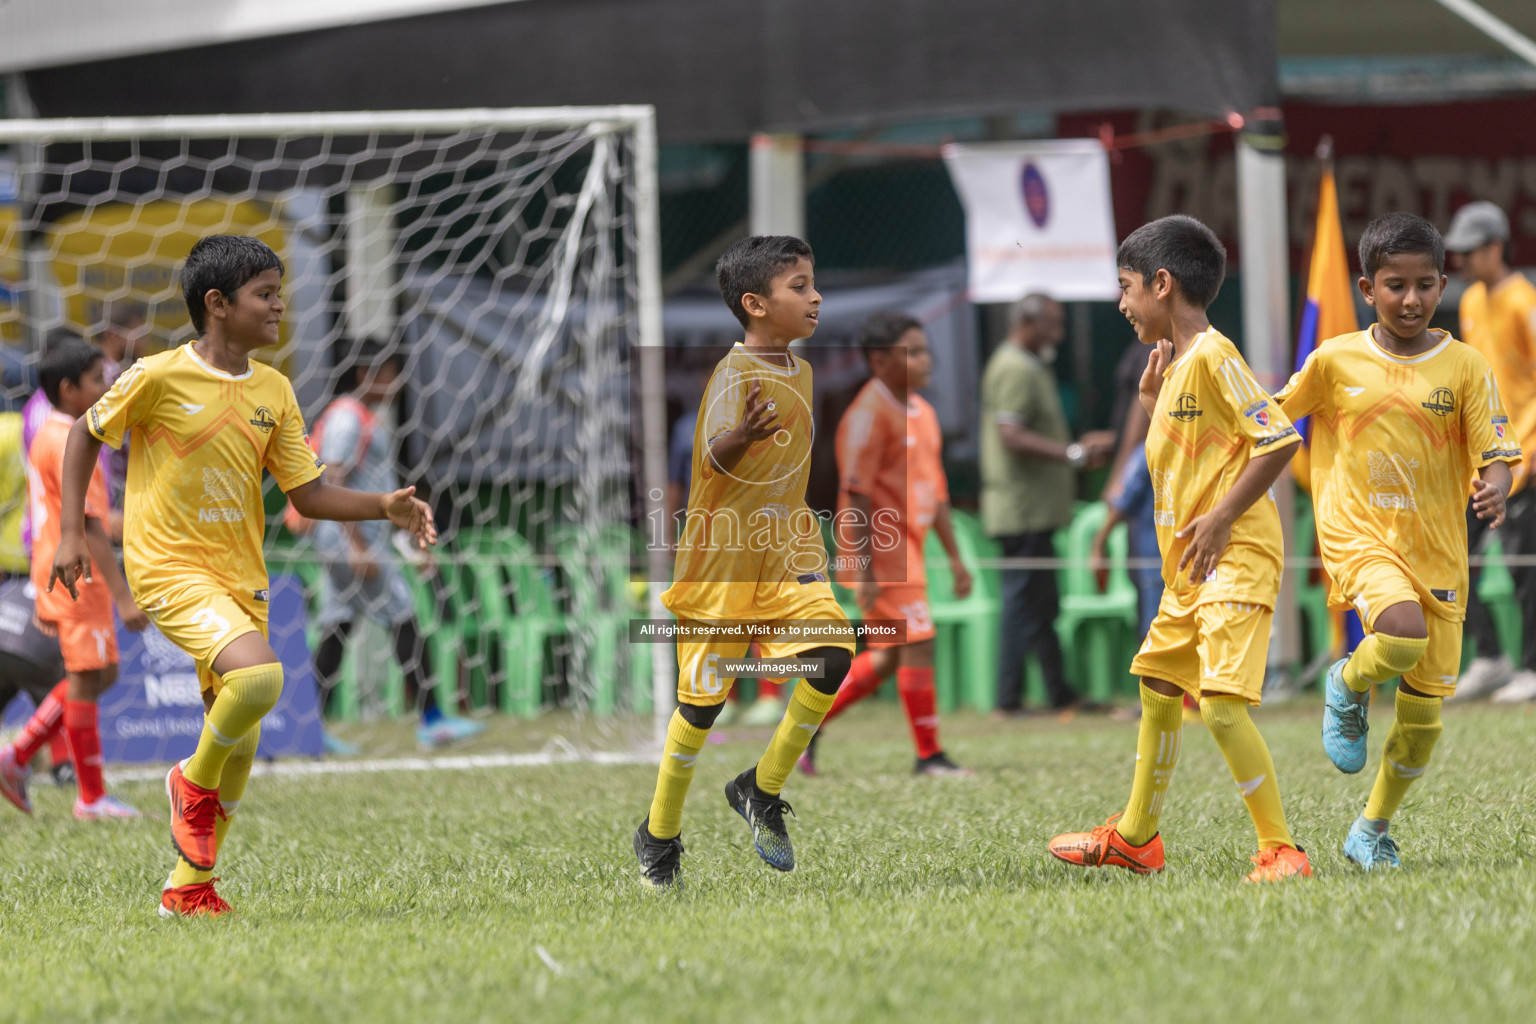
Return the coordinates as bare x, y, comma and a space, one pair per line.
1344, 722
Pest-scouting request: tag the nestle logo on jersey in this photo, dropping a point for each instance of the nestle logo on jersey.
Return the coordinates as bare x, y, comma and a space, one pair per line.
263, 420
221, 515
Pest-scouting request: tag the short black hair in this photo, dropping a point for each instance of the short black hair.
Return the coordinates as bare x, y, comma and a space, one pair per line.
1186, 248
222, 263
1397, 234
751, 265
66, 356
884, 329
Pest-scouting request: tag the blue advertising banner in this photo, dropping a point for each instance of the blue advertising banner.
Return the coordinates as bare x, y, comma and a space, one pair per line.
154, 713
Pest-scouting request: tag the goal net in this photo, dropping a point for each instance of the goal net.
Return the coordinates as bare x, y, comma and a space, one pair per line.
505, 261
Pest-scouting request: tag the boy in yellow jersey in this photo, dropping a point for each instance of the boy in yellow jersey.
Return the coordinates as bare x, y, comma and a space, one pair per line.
751, 551
206, 422
1498, 318
1215, 445
1406, 423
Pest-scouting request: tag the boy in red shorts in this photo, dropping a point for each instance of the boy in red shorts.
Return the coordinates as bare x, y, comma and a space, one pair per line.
71, 374
893, 490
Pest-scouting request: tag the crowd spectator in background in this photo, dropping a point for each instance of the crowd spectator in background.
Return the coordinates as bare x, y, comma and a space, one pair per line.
362, 579
1028, 467
1498, 318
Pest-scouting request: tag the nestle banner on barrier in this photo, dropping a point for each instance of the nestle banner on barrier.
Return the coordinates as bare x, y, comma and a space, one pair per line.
154, 713
1037, 219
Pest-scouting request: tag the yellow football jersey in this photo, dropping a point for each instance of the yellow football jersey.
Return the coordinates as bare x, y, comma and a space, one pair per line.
1211, 418
750, 543
1396, 443
1501, 325
201, 438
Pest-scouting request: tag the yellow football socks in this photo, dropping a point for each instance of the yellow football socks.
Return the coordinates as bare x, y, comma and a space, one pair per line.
248, 694
678, 757
1406, 753
237, 771
1381, 657
1157, 753
801, 720
1252, 768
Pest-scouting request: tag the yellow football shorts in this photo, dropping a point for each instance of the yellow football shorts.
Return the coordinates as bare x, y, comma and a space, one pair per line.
1216, 647
699, 680
202, 617
1380, 584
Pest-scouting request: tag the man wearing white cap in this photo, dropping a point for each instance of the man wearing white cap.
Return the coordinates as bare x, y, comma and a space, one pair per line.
1498, 318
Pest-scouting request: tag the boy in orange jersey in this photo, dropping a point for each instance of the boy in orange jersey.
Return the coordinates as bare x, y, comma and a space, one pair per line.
71, 375
1215, 445
206, 422
893, 490
751, 551
1498, 318
1406, 423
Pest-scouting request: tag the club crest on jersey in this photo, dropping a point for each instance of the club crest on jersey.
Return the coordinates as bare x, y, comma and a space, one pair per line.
263, 420
1258, 412
1441, 402
1185, 408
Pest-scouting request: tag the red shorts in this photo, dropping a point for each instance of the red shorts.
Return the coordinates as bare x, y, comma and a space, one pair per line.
907, 602
87, 644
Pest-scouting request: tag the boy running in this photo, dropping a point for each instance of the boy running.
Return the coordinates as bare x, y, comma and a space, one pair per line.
751, 550
207, 421
1215, 445
1406, 423
893, 490
71, 375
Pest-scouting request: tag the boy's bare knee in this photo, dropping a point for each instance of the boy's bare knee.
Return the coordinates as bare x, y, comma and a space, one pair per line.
918, 655
1162, 686
1404, 619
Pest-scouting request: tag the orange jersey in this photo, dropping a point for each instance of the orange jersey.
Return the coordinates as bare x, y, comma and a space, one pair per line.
45, 466
1501, 325
750, 543
890, 453
1396, 442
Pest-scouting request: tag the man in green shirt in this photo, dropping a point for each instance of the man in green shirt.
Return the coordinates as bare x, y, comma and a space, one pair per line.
1028, 480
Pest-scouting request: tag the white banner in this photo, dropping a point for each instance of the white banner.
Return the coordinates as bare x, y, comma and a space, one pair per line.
1038, 218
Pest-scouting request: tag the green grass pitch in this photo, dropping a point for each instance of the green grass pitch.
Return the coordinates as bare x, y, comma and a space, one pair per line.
510, 894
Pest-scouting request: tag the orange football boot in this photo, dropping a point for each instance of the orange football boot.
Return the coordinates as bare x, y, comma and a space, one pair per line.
1104, 846
193, 812
192, 900
1279, 863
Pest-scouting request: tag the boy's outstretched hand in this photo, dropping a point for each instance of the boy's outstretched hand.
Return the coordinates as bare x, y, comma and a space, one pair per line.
71, 563
410, 513
1488, 502
1152, 376
759, 420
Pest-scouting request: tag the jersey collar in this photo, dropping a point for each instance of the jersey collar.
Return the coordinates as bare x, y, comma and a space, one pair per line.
215, 371
1194, 344
1370, 339
792, 370
910, 408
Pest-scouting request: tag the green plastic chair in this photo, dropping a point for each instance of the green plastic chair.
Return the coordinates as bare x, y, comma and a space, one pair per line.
966, 629
516, 615
597, 565
1311, 597
1496, 588
1097, 630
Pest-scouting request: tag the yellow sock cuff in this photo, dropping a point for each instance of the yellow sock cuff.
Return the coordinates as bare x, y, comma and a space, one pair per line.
813, 700
1224, 711
1413, 710
1160, 705
257, 686
685, 734
1380, 657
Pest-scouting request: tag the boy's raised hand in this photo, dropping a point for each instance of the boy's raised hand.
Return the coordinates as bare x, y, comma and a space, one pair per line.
759, 420
1152, 376
410, 513
1488, 502
71, 562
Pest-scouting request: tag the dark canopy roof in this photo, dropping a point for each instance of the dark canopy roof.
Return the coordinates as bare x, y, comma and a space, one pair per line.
720, 69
